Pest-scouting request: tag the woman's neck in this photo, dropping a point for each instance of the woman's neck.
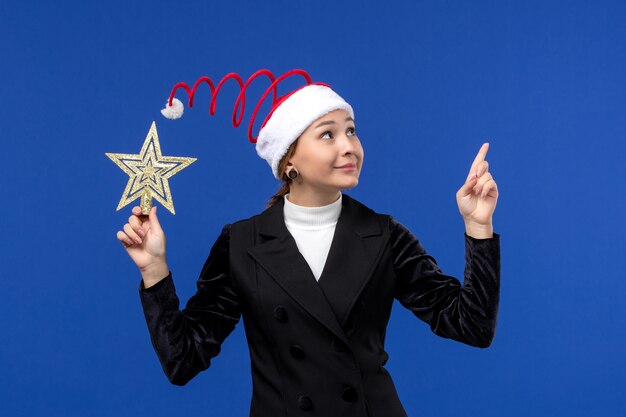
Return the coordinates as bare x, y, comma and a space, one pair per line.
311, 218
308, 198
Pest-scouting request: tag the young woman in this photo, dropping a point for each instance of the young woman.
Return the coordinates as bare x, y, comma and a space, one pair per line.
315, 274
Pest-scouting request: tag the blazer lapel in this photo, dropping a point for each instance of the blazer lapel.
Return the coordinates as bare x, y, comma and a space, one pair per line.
354, 251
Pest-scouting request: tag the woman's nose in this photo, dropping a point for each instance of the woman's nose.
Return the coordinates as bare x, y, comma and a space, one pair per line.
347, 144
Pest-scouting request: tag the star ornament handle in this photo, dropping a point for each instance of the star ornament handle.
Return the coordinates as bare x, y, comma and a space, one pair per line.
146, 201
149, 172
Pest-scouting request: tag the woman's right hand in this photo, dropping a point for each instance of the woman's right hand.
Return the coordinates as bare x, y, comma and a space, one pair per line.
144, 240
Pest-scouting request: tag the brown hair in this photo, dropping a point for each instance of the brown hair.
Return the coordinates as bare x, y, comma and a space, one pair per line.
284, 188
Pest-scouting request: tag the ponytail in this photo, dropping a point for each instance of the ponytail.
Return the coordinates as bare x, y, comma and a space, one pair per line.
280, 194
285, 186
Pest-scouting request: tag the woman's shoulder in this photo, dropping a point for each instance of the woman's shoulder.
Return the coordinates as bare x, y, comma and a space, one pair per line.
246, 222
361, 207
388, 221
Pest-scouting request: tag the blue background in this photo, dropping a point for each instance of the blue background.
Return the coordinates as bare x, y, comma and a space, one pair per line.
430, 81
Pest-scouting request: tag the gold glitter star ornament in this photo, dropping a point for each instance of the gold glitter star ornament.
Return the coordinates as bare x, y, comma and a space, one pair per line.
148, 173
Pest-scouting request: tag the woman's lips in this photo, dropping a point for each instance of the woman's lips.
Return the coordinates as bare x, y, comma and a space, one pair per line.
347, 167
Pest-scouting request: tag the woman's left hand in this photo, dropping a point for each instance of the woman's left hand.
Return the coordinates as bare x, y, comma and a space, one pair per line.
478, 196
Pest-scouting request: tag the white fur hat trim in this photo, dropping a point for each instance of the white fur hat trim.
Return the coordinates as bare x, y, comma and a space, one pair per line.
292, 117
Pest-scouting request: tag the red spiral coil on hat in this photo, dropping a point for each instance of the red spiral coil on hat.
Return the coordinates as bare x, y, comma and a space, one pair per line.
240, 103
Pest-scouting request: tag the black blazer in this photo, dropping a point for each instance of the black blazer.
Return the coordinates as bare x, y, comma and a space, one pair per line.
317, 347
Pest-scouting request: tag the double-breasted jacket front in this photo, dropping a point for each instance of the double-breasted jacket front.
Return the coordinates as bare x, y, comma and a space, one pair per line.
317, 348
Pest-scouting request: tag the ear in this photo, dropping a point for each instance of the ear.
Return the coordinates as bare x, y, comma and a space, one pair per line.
289, 165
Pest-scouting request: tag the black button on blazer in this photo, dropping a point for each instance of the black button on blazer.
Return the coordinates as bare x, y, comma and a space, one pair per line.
329, 334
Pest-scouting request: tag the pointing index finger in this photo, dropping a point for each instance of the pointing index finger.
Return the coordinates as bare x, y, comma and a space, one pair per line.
479, 157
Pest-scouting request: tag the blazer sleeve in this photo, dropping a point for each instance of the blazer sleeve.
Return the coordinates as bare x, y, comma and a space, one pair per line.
186, 341
466, 313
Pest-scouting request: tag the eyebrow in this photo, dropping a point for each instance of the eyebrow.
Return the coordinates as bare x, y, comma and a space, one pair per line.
330, 122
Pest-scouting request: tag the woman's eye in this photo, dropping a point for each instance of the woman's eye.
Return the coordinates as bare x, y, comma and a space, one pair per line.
329, 135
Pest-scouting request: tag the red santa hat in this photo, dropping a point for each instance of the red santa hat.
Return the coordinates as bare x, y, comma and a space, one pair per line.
289, 116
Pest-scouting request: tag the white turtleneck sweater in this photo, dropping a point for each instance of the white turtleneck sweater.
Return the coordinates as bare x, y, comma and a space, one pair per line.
313, 229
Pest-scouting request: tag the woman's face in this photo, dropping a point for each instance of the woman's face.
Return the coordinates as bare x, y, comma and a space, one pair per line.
329, 155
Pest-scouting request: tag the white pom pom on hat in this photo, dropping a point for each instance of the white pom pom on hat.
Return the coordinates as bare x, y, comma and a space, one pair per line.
289, 116
173, 111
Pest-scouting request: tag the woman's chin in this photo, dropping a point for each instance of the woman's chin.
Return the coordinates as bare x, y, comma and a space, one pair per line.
349, 184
